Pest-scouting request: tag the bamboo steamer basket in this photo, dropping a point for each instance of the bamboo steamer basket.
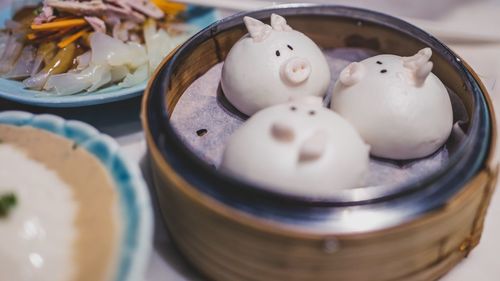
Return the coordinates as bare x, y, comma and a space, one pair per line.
230, 230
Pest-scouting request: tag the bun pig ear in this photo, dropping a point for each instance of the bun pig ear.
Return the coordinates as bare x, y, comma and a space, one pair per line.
419, 66
279, 23
352, 74
258, 30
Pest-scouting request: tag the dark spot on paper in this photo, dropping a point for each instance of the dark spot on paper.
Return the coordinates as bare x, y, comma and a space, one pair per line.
383, 71
202, 132
312, 112
379, 62
289, 47
293, 108
278, 53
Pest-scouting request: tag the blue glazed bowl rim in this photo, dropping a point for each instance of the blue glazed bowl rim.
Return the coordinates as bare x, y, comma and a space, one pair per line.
135, 204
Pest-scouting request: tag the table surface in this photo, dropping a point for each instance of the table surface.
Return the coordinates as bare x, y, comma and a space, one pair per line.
121, 121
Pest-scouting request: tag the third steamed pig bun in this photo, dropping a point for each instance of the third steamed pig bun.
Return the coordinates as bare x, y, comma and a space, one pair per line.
400, 108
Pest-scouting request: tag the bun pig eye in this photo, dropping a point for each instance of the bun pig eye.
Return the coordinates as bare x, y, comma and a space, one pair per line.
278, 53
293, 108
312, 112
289, 47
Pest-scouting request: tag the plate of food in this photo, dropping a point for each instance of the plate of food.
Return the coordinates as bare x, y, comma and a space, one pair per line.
59, 53
71, 206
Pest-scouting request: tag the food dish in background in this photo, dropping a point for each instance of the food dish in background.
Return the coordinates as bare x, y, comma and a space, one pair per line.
271, 65
101, 225
105, 76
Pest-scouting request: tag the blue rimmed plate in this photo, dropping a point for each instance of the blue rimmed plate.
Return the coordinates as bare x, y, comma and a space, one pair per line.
135, 204
15, 91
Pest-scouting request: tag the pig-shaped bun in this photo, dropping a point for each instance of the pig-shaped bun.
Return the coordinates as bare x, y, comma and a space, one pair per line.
298, 148
272, 64
401, 109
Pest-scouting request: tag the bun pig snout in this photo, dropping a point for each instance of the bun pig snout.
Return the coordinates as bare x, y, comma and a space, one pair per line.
296, 71
314, 147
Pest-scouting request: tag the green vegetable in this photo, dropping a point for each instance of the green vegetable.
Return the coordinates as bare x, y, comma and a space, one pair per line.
47, 50
38, 11
62, 61
7, 203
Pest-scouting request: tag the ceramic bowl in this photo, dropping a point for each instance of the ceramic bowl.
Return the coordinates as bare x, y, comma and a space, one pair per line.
134, 201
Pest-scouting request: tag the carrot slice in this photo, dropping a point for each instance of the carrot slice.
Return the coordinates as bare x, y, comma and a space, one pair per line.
169, 7
50, 35
59, 24
72, 38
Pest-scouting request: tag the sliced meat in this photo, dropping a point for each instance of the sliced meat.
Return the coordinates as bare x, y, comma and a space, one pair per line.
97, 24
146, 7
118, 5
46, 15
92, 7
122, 31
133, 10
116, 11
